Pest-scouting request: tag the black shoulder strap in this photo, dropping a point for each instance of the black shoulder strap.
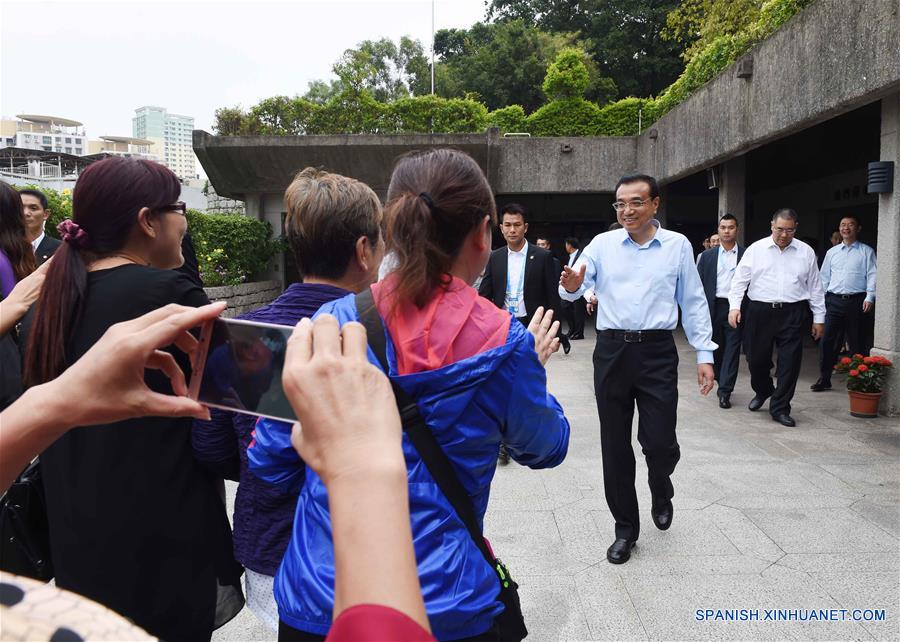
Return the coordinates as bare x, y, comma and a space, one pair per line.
421, 437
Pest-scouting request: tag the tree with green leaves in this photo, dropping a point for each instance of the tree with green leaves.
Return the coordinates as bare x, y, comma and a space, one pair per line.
695, 23
505, 63
623, 37
386, 69
567, 113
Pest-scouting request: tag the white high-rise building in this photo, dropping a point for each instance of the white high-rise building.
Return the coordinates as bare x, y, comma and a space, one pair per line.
46, 133
171, 135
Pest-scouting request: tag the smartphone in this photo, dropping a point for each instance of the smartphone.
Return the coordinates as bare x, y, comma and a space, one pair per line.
238, 367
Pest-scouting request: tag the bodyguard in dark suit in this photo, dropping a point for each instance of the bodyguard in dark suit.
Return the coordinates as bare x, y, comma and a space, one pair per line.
521, 277
36, 212
716, 267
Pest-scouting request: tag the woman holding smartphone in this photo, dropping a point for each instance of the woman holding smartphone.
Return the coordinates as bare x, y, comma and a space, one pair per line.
135, 523
477, 379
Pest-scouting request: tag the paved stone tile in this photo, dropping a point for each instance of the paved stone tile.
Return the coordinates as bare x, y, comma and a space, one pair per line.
821, 530
765, 517
553, 608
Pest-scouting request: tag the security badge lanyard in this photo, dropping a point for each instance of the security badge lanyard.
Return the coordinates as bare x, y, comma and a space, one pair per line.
512, 297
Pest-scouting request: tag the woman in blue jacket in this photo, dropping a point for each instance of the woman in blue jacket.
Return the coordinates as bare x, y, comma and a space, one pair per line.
478, 382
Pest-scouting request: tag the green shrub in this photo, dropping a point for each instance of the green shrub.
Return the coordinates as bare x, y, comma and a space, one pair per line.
420, 114
508, 119
622, 117
230, 248
567, 76
565, 117
349, 112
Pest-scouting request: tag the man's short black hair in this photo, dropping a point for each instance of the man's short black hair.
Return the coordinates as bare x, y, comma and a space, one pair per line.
543, 238
38, 194
640, 178
513, 208
574, 242
785, 213
615, 225
854, 217
729, 217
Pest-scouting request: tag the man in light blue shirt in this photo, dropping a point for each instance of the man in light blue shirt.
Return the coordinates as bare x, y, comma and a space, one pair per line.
641, 274
848, 278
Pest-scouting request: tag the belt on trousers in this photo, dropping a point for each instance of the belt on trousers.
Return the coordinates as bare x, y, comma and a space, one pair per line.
777, 305
846, 296
636, 336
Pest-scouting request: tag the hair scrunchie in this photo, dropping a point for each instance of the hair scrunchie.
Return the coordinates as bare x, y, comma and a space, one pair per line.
425, 196
73, 234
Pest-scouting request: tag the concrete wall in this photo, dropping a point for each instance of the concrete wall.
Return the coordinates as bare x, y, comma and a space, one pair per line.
887, 301
831, 58
245, 297
568, 165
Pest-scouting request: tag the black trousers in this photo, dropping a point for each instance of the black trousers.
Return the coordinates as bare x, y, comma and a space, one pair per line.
782, 328
843, 317
574, 313
645, 373
728, 354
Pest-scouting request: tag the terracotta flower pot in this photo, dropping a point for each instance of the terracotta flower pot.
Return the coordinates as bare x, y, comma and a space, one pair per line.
864, 404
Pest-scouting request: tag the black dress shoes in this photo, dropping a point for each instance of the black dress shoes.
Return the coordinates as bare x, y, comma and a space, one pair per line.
757, 402
576, 337
564, 342
661, 512
503, 457
820, 385
784, 419
620, 551
725, 401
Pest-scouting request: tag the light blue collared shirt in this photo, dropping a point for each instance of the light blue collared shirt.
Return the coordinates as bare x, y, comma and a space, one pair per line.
850, 269
640, 287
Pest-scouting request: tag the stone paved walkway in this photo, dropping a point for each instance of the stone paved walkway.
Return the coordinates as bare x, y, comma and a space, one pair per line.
766, 517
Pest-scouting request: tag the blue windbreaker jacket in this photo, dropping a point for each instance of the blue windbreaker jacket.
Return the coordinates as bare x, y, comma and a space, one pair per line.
470, 405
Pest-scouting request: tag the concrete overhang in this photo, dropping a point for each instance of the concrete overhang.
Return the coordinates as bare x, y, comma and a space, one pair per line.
241, 165
828, 60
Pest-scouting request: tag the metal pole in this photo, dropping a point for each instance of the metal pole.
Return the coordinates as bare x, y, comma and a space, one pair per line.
432, 47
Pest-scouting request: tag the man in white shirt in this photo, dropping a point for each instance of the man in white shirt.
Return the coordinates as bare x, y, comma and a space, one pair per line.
36, 212
848, 278
780, 276
520, 277
717, 266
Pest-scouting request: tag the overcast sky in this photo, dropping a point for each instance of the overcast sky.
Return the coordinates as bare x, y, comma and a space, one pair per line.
96, 62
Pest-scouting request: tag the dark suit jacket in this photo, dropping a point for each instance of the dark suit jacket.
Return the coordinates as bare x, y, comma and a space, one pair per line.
541, 280
708, 269
46, 248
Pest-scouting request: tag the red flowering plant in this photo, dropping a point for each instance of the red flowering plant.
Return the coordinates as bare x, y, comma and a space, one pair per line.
864, 374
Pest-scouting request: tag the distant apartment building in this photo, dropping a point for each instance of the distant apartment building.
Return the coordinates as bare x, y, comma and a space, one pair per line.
45, 133
171, 137
124, 146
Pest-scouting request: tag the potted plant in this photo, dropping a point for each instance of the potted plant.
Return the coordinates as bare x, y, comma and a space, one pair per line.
865, 381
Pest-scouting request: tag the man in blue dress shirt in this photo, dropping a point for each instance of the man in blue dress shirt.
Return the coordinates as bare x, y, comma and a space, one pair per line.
848, 278
641, 274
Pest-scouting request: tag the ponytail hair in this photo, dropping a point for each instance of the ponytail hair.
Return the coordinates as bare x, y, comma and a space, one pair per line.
435, 199
13, 240
105, 205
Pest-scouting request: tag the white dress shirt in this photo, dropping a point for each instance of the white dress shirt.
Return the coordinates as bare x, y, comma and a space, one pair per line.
515, 281
850, 269
725, 267
572, 258
641, 287
36, 242
779, 276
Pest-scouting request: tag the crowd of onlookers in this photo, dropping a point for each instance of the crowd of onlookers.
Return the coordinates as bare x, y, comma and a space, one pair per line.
360, 519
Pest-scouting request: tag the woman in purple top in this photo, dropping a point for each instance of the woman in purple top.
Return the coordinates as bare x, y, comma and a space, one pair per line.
16, 254
333, 226
16, 262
